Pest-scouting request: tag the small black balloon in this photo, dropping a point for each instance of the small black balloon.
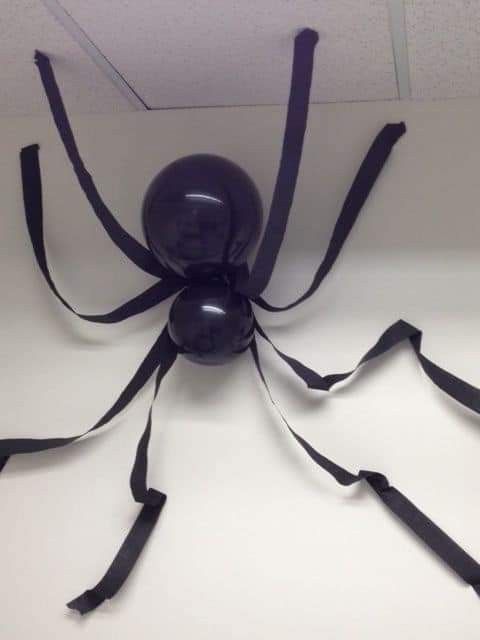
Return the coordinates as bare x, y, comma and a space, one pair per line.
210, 323
202, 215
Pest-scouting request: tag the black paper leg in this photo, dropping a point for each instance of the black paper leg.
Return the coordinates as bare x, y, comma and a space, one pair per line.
284, 190
437, 540
134, 250
14, 446
456, 388
362, 185
32, 194
152, 501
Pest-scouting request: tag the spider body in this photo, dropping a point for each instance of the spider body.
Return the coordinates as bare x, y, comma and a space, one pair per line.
202, 216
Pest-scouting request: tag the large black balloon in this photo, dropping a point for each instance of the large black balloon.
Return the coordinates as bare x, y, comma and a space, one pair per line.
210, 323
202, 215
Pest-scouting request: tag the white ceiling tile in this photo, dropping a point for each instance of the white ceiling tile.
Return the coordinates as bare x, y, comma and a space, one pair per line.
232, 52
26, 25
443, 47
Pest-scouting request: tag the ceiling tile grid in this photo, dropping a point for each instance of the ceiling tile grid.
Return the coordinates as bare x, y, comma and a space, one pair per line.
26, 25
443, 47
192, 53
231, 52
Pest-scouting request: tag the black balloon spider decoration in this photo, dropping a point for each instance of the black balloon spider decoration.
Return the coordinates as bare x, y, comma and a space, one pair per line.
202, 215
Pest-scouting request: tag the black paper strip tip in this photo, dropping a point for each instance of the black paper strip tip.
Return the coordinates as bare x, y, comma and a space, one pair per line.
87, 602
308, 34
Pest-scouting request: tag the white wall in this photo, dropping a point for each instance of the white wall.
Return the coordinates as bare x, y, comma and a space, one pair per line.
255, 542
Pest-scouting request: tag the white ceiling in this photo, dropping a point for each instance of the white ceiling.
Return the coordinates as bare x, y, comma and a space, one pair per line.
444, 47
218, 52
181, 53
25, 25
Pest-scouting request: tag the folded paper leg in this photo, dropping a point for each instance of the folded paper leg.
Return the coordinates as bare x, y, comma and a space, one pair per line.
437, 540
32, 195
148, 366
456, 388
295, 126
134, 250
152, 501
363, 183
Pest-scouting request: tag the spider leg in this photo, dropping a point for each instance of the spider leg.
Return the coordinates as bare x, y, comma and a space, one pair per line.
284, 189
366, 177
14, 446
456, 388
437, 540
152, 501
32, 193
134, 250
